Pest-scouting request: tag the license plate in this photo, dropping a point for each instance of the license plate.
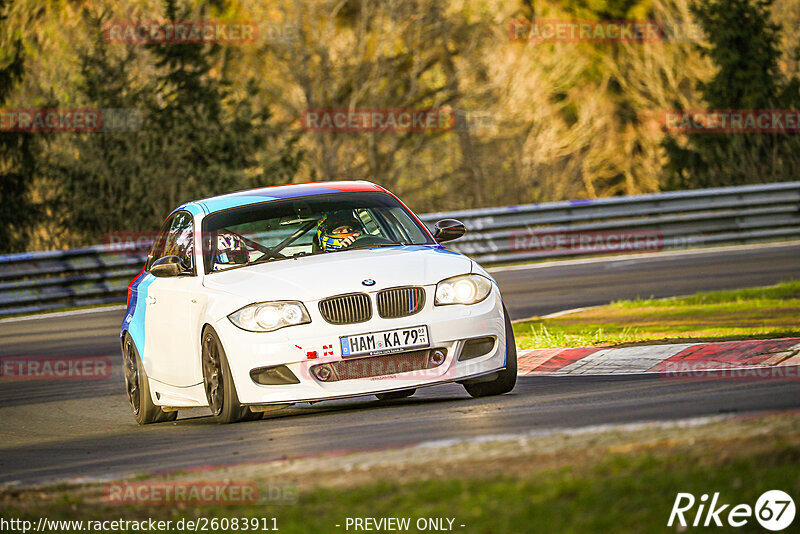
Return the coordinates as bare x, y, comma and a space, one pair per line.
385, 342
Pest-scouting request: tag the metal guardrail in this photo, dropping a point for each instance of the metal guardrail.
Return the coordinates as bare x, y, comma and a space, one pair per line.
40, 281
680, 219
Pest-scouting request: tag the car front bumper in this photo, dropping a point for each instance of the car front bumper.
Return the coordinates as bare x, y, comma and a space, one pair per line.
294, 347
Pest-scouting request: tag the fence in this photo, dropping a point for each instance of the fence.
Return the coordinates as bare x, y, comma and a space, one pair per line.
39, 281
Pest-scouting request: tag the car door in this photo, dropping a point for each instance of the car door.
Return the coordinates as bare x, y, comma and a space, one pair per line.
173, 304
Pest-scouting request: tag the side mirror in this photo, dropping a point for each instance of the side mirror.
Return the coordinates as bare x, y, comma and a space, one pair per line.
448, 229
167, 266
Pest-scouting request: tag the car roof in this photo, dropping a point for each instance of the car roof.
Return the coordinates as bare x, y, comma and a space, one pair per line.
279, 192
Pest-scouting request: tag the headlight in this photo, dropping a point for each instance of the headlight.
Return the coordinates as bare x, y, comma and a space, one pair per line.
269, 316
464, 289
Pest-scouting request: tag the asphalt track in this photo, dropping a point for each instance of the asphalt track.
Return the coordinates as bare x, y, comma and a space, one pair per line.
63, 430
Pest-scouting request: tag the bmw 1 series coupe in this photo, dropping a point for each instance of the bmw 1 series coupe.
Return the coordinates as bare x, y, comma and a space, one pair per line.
265, 298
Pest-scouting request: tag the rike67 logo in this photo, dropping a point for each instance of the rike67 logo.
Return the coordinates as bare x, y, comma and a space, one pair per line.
774, 510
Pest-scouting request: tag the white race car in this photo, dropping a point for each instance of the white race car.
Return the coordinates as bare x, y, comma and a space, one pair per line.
302, 293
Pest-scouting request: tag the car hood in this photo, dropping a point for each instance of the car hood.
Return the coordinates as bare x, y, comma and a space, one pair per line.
311, 278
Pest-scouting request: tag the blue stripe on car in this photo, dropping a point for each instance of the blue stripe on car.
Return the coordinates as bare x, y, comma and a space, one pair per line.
246, 198
191, 207
134, 318
301, 190
223, 203
131, 311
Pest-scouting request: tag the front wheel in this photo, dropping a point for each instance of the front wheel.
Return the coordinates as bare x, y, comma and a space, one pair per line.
507, 378
218, 383
138, 389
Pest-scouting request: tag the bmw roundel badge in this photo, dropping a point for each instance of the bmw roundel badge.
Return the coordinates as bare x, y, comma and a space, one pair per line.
369, 282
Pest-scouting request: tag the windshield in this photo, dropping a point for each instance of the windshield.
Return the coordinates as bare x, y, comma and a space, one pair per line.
320, 224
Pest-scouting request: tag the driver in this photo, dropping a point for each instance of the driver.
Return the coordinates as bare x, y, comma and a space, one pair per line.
338, 230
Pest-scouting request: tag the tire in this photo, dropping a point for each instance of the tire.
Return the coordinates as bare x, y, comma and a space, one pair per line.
394, 395
138, 389
507, 377
218, 383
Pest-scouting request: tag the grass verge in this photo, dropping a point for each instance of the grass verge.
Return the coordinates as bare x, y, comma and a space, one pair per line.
763, 312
